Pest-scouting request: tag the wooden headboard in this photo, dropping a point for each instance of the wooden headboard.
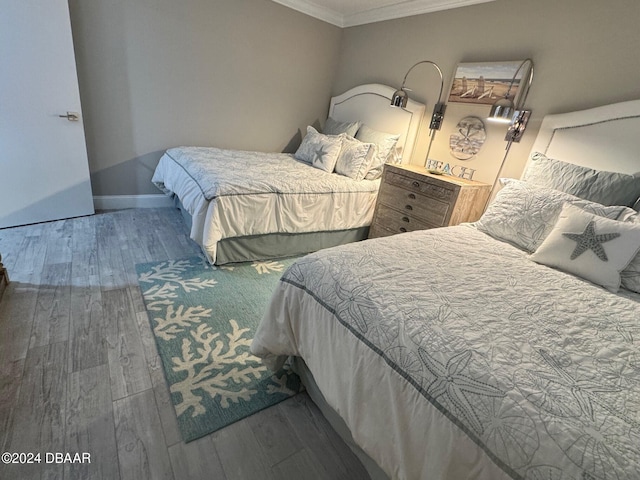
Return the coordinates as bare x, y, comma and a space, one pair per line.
371, 105
603, 138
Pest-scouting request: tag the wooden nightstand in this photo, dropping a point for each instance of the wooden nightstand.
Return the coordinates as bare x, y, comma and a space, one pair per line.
410, 198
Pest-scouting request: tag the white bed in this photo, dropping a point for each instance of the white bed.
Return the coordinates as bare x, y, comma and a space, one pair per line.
251, 205
451, 354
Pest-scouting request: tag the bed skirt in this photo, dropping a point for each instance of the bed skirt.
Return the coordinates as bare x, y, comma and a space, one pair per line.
277, 245
338, 424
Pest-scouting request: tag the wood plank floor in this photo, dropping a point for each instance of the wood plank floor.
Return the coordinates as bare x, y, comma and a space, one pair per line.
79, 369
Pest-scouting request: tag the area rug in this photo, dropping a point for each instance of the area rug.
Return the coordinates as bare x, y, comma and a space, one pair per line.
203, 318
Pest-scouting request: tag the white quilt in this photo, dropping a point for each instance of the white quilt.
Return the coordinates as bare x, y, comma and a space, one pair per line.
231, 193
451, 355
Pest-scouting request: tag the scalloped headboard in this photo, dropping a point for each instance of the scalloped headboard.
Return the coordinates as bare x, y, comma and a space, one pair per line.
602, 138
370, 104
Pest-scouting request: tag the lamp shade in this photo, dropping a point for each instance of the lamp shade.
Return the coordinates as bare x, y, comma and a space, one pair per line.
502, 111
399, 98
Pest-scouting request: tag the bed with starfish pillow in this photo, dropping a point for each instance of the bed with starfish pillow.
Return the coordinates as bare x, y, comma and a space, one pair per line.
506, 348
244, 205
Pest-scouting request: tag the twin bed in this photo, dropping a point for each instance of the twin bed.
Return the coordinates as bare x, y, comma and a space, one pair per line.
249, 206
507, 348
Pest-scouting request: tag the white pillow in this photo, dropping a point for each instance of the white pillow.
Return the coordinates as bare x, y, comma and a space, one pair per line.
321, 151
334, 127
355, 158
631, 275
592, 247
607, 188
385, 142
524, 214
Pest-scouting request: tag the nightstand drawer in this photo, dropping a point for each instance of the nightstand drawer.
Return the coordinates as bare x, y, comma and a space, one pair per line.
420, 186
398, 222
419, 206
411, 198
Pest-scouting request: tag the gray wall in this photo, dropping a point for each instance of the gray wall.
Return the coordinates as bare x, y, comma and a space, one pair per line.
251, 74
244, 74
585, 54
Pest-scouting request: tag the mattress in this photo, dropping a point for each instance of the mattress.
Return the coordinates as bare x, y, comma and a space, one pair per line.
231, 193
460, 358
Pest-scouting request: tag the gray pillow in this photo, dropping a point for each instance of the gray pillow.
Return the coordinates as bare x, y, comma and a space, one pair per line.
334, 127
606, 188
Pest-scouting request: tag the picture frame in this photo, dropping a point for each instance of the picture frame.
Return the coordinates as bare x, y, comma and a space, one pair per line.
482, 83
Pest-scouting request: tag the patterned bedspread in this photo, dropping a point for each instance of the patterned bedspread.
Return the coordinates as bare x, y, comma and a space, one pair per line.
221, 172
232, 193
451, 355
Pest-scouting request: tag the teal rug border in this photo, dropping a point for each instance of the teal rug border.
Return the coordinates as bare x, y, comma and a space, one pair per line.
234, 404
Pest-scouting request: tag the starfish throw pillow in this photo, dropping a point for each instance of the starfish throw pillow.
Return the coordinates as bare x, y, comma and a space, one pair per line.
592, 247
320, 150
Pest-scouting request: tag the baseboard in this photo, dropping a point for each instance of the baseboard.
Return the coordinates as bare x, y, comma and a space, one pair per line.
120, 202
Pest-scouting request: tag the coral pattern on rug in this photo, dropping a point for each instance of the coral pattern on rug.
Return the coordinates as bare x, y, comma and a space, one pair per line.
203, 318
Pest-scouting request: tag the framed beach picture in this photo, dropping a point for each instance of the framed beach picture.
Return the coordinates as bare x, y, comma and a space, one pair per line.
482, 83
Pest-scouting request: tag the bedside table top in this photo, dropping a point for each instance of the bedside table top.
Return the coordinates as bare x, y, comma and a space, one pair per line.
444, 177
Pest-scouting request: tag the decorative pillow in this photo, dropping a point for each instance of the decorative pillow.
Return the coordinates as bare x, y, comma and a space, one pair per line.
386, 142
395, 156
592, 247
631, 275
334, 127
607, 188
321, 151
355, 158
524, 214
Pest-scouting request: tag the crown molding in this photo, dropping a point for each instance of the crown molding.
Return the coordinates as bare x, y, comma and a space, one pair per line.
405, 9
399, 10
316, 11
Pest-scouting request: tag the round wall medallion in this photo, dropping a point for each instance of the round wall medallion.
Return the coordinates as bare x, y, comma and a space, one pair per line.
468, 138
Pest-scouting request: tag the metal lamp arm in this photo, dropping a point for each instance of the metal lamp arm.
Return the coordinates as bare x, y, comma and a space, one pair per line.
436, 67
529, 81
399, 99
523, 97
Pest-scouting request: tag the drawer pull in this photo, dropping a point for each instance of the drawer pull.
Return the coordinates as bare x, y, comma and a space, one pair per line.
402, 229
416, 184
405, 219
408, 207
412, 196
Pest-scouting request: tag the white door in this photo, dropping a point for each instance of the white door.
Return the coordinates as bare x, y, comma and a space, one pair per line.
44, 172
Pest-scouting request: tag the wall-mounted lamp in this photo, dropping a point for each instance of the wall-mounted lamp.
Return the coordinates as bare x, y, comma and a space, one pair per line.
400, 97
516, 116
504, 111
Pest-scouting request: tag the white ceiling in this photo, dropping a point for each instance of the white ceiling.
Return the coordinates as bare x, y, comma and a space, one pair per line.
347, 13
